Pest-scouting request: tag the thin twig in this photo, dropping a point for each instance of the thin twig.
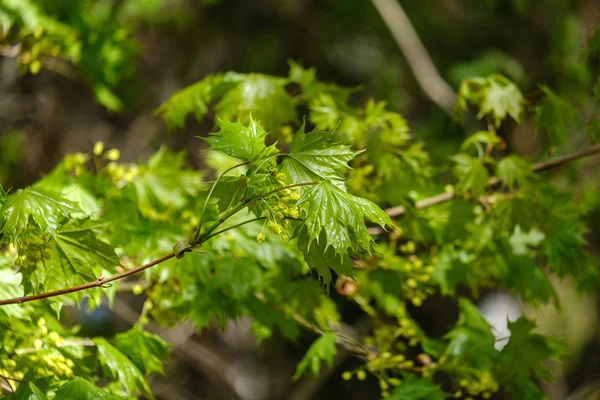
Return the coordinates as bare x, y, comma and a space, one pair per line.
239, 208
416, 55
100, 282
539, 167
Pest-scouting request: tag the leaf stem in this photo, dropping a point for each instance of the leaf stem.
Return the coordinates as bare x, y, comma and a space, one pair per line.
234, 211
232, 227
213, 188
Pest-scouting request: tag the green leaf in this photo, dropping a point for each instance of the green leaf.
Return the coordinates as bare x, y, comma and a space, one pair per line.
45, 207
554, 116
471, 339
564, 248
530, 349
75, 256
165, 183
81, 389
238, 277
265, 320
593, 127
323, 349
261, 96
480, 137
242, 141
416, 388
514, 171
495, 96
472, 174
314, 157
196, 98
227, 187
519, 271
147, 351
453, 267
118, 366
9, 289
324, 260
28, 391
340, 217
502, 97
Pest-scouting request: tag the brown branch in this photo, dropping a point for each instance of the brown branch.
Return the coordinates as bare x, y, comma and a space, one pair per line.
444, 197
100, 282
416, 55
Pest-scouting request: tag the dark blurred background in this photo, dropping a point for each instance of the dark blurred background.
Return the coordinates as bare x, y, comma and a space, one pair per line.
45, 116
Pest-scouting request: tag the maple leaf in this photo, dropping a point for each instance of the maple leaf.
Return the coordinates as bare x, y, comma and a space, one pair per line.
471, 332
514, 171
45, 207
502, 97
593, 126
313, 157
246, 142
196, 98
495, 96
554, 116
472, 174
525, 352
147, 351
164, 182
29, 391
323, 349
341, 217
76, 255
261, 96
79, 388
118, 365
415, 388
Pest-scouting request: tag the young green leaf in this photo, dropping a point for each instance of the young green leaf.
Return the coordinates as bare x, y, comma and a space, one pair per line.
593, 128
81, 389
495, 96
554, 116
415, 388
261, 96
472, 174
147, 351
514, 171
45, 207
502, 97
341, 217
246, 142
196, 98
530, 349
117, 365
323, 349
471, 340
165, 183
314, 157
28, 391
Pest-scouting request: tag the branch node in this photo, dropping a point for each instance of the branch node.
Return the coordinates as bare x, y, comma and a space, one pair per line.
181, 248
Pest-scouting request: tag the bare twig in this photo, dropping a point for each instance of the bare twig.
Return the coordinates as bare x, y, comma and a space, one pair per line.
100, 282
539, 167
416, 55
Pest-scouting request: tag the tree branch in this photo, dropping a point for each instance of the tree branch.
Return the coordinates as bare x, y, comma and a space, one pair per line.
416, 55
100, 282
444, 197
